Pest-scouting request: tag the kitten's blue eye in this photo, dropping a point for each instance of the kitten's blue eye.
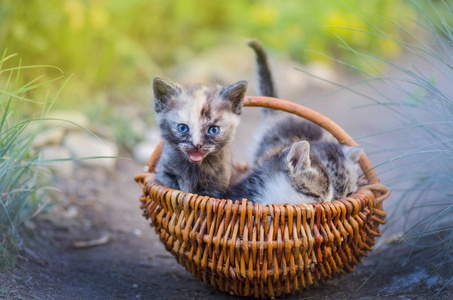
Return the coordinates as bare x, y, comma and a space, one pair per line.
214, 130
183, 128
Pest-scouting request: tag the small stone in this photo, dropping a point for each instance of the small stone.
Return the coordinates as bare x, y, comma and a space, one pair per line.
83, 144
52, 136
70, 118
135, 286
137, 232
29, 224
66, 167
103, 131
70, 213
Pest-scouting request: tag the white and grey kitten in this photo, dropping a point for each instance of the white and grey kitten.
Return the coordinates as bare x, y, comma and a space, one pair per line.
340, 161
198, 124
286, 175
336, 164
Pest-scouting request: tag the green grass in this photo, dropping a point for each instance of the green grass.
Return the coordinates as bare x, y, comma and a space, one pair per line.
419, 99
22, 176
425, 108
118, 46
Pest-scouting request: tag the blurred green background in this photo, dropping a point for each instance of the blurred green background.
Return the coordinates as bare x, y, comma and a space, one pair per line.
112, 47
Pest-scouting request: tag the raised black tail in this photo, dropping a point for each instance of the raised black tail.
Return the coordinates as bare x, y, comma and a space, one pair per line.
265, 82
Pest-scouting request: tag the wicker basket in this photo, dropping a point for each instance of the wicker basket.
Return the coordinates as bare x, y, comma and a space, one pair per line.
248, 249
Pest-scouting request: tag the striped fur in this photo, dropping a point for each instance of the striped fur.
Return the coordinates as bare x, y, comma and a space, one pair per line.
291, 175
331, 170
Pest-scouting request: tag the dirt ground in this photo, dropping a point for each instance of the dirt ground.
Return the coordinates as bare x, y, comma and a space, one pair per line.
131, 262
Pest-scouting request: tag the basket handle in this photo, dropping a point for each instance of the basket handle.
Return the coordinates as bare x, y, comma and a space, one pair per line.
318, 119
303, 112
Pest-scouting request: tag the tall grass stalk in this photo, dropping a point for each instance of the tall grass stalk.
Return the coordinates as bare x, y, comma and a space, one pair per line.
22, 189
419, 104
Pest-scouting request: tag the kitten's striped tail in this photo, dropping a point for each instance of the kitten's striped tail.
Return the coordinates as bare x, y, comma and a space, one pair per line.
265, 82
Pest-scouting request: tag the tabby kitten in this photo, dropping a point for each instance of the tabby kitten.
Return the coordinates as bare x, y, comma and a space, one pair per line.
339, 163
287, 175
198, 124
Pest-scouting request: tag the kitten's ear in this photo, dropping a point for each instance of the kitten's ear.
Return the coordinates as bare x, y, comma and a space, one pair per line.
352, 153
163, 93
298, 156
235, 94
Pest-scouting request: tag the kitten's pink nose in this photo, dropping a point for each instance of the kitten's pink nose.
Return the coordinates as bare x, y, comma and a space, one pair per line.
197, 146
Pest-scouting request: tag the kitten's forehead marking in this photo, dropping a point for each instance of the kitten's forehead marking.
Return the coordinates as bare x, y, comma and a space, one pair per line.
198, 102
206, 110
195, 101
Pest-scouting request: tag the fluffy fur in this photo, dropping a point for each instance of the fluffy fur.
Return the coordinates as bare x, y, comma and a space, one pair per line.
329, 170
195, 158
288, 175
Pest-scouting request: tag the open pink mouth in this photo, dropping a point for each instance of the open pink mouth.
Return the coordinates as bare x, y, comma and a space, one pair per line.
196, 156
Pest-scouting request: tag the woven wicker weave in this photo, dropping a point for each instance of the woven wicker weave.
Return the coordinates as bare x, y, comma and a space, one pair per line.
248, 249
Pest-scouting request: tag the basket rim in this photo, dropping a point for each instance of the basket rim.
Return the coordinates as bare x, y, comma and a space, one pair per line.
364, 196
